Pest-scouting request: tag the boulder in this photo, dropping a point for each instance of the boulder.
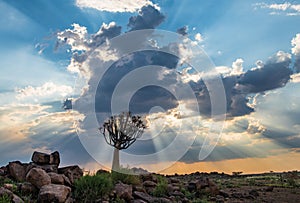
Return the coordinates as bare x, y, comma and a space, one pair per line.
138, 201
40, 158
3, 171
5, 192
213, 188
54, 193
149, 183
57, 178
123, 191
46, 167
27, 188
164, 200
9, 186
254, 193
102, 171
149, 177
174, 180
223, 193
17, 199
67, 180
193, 186
55, 158
38, 177
177, 194
17, 170
138, 188
72, 172
269, 188
143, 196
13, 198
71, 200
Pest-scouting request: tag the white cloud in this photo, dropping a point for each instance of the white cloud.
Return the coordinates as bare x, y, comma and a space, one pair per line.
47, 90
296, 45
237, 67
198, 37
279, 57
295, 78
114, 5
286, 8
281, 7
75, 37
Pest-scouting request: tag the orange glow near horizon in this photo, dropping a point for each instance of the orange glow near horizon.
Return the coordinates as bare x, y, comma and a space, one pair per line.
285, 162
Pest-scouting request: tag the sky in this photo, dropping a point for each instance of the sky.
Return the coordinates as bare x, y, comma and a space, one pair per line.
216, 82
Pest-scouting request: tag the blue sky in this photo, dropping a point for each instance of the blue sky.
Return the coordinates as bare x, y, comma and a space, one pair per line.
253, 44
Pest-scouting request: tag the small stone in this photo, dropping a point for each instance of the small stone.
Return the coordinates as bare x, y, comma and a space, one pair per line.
8, 186
269, 189
254, 193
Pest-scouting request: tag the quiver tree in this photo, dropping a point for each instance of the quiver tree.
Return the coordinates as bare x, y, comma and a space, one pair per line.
121, 131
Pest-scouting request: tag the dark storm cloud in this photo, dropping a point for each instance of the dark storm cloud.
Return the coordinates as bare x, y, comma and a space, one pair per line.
274, 74
236, 102
67, 104
146, 97
284, 138
105, 32
182, 31
270, 76
148, 18
297, 64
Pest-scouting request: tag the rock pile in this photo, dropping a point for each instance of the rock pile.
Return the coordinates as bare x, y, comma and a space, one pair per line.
42, 176
176, 188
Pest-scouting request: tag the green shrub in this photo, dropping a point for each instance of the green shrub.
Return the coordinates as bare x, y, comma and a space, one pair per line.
118, 200
92, 188
125, 175
291, 182
162, 187
5, 199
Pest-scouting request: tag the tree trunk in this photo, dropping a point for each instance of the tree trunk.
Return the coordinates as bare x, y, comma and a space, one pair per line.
116, 160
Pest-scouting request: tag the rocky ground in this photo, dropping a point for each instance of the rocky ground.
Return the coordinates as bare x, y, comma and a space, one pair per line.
42, 180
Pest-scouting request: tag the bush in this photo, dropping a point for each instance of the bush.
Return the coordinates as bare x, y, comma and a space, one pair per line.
125, 175
92, 188
162, 187
5, 199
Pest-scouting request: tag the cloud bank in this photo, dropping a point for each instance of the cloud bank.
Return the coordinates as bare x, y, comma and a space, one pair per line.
114, 5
